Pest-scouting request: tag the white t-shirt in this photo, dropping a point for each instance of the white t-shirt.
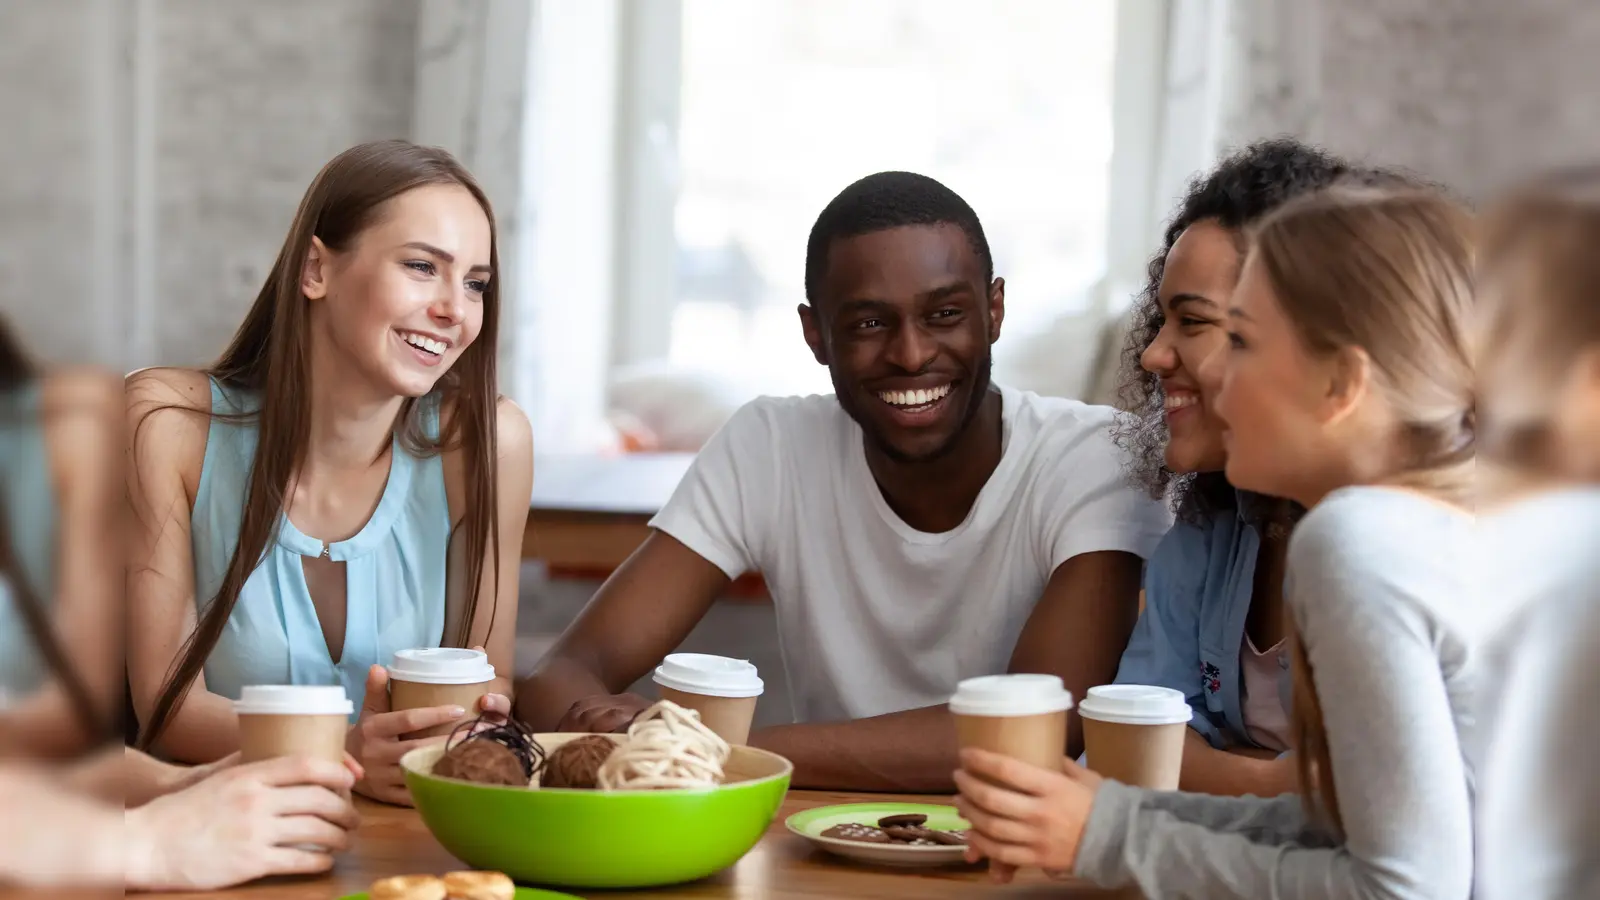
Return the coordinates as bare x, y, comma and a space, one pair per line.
873, 616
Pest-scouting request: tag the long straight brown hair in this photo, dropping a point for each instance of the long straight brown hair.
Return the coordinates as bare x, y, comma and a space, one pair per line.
16, 372
270, 357
1390, 272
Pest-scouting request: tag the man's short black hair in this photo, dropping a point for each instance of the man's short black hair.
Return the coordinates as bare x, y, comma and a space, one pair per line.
890, 200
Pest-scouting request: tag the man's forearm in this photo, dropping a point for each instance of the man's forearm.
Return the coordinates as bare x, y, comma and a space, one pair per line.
906, 752
1207, 770
543, 698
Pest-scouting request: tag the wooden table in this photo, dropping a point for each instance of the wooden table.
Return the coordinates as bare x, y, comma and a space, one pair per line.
393, 841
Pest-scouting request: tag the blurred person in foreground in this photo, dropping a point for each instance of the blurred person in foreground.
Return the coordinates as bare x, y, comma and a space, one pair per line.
73, 810
60, 571
1539, 370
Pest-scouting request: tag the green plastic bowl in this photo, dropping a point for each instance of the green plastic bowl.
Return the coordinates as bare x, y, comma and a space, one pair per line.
600, 839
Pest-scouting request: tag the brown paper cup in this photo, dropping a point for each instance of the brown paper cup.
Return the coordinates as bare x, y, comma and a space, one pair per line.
1040, 740
729, 717
264, 737
411, 695
724, 691
1147, 756
1022, 716
1134, 733
293, 720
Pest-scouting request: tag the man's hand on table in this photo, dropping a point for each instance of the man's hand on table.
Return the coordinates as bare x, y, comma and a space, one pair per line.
242, 823
603, 713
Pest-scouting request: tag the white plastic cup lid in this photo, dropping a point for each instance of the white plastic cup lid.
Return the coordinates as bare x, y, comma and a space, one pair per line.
1135, 704
441, 665
709, 676
1010, 695
293, 700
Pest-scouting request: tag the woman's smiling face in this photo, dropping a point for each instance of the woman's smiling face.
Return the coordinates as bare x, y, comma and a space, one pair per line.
1200, 274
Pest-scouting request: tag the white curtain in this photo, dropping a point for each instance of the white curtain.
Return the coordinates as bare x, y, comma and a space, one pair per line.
1235, 71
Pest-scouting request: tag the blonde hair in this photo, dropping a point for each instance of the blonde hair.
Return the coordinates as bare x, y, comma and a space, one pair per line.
1541, 306
1390, 272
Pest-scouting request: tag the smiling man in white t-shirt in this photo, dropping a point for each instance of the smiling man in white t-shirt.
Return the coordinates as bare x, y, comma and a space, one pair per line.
920, 526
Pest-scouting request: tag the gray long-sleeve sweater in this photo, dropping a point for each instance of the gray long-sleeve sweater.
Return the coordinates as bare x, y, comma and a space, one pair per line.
1379, 583
1539, 807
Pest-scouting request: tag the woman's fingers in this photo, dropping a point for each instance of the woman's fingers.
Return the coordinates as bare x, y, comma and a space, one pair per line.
318, 802
495, 704
1008, 772
294, 830
386, 726
995, 800
295, 861
1012, 855
291, 771
1000, 873
996, 827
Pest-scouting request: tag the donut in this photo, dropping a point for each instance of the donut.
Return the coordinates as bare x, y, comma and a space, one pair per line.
408, 887
478, 886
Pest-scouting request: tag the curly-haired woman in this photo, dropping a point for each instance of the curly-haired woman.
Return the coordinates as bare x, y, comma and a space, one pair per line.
1214, 624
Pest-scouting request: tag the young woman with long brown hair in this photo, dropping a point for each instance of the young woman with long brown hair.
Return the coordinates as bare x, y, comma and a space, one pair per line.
1539, 371
345, 481
1347, 388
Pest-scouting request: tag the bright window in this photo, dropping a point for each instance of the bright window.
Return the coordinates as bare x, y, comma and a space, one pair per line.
785, 102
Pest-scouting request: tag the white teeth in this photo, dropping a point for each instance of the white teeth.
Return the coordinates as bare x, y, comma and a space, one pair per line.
426, 343
1179, 402
915, 398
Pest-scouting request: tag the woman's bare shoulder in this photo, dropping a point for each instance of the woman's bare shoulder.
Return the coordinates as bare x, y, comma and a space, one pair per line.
168, 415
160, 387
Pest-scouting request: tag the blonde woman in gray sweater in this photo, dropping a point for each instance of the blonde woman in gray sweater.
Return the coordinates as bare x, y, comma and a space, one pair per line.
1539, 368
1348, 388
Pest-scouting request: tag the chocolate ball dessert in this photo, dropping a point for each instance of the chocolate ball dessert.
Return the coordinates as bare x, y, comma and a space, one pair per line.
494, 751
576, 764
481, 762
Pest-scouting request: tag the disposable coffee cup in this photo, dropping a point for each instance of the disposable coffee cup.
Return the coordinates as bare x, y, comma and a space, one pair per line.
724, 691
1020, 716
1134, 733
439, 676
292, 720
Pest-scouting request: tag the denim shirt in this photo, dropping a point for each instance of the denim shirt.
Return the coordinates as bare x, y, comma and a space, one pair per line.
1198, 586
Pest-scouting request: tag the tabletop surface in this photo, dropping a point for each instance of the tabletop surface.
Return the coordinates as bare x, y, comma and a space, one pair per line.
633, 484
393, 841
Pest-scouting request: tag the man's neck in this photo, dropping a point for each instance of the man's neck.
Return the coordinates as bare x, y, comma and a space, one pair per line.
936, 496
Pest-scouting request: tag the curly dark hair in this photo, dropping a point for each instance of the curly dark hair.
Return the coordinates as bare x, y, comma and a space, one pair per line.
1240, 191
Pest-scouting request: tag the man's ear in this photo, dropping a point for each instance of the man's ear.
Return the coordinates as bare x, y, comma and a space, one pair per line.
1347, 378
314, 275
997, 308
812, 329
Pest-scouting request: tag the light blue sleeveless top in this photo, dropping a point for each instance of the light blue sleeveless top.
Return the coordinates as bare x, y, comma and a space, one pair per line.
394, 569
30, 511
